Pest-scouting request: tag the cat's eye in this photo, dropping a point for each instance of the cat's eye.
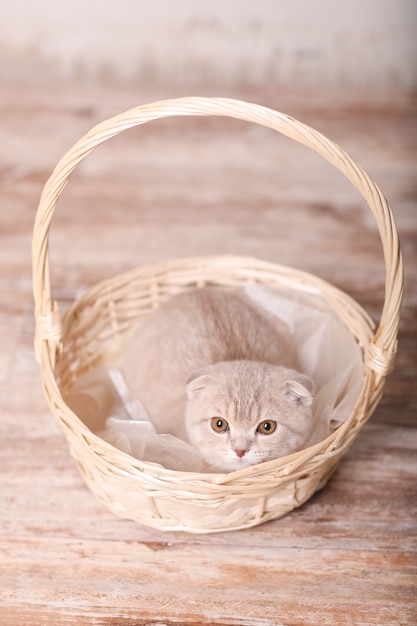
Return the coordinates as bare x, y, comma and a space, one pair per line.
267, 427
219, 425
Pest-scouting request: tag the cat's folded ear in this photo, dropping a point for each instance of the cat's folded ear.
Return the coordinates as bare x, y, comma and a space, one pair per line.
301, 390
198, 383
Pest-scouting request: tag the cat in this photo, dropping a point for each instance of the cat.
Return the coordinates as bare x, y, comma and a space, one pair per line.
215, 369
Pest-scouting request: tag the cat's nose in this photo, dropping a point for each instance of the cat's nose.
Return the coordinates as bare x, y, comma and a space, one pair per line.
240, 453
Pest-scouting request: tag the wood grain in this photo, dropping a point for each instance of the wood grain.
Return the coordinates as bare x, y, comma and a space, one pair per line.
348, 556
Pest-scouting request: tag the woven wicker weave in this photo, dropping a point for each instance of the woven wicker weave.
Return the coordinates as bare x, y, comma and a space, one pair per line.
94, 327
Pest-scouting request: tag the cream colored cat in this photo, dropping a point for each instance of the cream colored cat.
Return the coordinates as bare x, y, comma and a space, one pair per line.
211, 366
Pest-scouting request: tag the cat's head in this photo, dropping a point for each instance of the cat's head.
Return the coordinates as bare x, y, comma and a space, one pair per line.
240, 413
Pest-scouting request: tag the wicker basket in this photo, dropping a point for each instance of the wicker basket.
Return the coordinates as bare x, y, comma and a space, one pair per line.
92, 331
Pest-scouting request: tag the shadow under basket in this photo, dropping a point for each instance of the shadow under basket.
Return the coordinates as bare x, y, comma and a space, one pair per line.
93, 329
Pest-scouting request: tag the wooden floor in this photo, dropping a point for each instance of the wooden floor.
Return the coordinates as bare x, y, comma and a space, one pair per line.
189, 187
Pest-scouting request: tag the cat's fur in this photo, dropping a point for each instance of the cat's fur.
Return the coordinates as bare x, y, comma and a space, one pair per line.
209, 353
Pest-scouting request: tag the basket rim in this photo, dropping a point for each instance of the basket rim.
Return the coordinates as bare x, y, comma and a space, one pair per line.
383, 348
341, 303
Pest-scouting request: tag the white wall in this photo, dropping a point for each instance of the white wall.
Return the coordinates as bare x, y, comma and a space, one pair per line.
291, 42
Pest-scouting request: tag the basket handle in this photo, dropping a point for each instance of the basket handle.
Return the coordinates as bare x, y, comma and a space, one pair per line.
382, 350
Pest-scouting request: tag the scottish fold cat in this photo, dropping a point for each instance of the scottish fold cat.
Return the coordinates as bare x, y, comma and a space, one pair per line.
217, 370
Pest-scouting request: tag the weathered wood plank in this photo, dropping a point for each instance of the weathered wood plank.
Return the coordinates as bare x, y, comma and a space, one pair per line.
193, 581
349, 555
